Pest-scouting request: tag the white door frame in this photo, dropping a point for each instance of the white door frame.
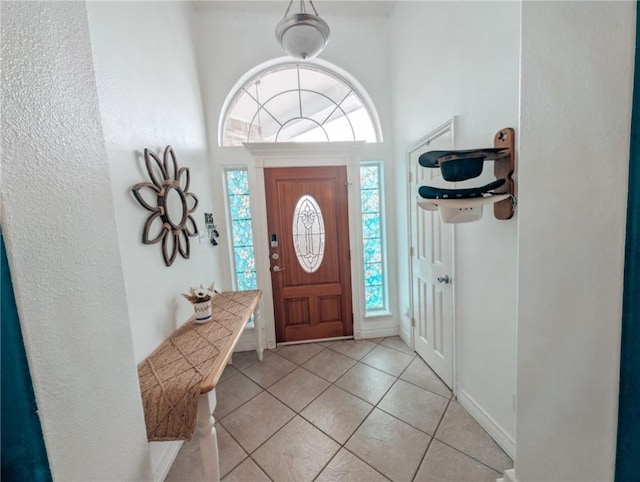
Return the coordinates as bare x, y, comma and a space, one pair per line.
289, 154
448, 126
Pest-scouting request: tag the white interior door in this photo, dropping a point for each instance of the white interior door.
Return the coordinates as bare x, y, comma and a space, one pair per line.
432, 282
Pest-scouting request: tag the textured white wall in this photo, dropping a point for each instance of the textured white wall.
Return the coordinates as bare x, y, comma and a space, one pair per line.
448, 60
62, 247
150, 97
577, 73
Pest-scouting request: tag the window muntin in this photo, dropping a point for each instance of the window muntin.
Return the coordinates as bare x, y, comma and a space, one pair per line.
297, 103
239, 214
375, 284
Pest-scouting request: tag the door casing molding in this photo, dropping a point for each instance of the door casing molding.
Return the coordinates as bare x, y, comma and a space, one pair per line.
289, 154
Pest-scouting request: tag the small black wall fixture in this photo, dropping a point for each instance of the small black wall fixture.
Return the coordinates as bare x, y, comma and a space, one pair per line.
168, 198
465, 205
212, 228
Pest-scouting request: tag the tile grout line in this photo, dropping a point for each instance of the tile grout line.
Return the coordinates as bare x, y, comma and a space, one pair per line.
241, 372
260, 467
417, 357
470, 456
312, 400
362, 422
429, 391
239, 445
349, 451
242, 404
298, 413
248, 366
374, 406
249, 455
263, 443
424, 456
391, 375
324, 348
343, 445
358, 396
426, 389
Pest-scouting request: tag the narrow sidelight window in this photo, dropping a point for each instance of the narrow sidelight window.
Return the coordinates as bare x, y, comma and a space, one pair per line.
239, 214
375, 286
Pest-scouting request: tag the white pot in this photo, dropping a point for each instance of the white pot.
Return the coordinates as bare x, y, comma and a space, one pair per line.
203, 311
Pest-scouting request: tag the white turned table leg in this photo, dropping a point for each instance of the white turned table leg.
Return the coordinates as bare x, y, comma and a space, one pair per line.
257, 325
208, 438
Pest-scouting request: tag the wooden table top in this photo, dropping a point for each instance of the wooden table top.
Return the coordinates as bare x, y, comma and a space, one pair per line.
223, 307
189, 363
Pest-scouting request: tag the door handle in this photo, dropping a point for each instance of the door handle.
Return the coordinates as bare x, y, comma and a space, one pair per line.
277, 269
444, 279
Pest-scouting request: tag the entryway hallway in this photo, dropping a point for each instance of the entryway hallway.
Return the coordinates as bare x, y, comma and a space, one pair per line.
366, 410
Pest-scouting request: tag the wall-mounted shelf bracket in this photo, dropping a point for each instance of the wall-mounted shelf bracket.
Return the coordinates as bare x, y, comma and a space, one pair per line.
503, 168
462, 205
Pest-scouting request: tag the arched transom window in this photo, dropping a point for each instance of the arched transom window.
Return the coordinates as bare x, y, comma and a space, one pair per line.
298, 102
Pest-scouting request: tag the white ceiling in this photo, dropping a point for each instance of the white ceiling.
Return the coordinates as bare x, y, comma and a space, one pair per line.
325, 7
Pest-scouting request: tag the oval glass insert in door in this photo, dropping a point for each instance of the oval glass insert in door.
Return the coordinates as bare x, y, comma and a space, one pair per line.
308, 233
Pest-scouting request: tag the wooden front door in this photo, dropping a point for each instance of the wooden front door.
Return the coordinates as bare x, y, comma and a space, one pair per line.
308, 224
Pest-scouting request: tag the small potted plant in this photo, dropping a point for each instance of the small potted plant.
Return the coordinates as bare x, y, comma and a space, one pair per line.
200, 298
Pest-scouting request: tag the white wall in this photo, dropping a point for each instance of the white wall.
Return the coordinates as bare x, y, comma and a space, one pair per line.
450, 58
62, 247
577, 73
150, 97
233, 38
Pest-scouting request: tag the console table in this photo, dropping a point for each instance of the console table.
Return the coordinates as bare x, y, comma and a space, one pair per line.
178, 379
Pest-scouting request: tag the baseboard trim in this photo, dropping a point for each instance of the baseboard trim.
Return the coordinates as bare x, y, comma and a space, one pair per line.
486, 422
406, 336
247, 341
164, 462
315, 340
508, 476
379, 332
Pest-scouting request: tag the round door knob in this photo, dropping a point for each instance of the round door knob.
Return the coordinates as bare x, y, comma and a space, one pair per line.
444, 279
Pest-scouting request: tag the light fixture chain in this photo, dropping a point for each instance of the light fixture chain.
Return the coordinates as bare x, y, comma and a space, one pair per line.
314, 8
288, 8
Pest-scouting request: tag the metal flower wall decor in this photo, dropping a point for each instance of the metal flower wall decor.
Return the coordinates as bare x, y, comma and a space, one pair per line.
168, 198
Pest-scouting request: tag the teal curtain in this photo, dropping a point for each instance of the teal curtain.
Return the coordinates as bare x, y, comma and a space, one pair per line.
24, 457
628, 448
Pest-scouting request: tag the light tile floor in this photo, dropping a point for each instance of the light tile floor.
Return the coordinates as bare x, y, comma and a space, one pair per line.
349, 411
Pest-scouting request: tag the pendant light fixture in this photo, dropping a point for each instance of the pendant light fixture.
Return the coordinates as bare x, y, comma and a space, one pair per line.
302, 35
